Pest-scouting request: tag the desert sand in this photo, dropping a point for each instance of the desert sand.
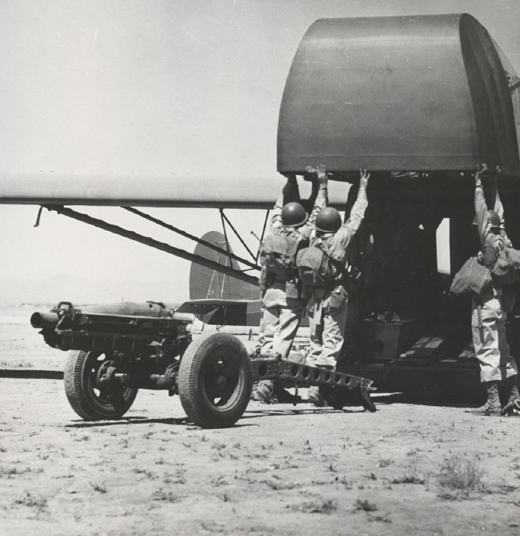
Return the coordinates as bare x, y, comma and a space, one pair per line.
420, 468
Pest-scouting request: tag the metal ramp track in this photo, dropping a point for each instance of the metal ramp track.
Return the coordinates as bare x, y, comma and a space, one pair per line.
333, 382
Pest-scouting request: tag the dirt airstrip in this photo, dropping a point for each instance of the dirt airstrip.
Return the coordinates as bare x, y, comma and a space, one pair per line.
409, 469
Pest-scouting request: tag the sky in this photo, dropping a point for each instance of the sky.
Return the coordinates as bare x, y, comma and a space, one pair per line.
155, 86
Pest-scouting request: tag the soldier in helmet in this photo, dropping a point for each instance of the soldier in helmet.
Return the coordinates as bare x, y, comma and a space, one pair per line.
281, 290
490, 310
328, 305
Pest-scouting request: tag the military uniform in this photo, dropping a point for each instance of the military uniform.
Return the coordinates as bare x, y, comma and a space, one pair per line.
328, 306
489, 311
282, 301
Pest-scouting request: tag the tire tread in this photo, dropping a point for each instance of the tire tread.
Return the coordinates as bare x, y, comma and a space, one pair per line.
189, 387
78, 400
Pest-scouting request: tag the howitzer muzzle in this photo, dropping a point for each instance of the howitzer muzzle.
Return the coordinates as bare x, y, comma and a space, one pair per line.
44, 320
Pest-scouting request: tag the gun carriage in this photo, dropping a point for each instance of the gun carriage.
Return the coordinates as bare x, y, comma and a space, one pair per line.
117, 349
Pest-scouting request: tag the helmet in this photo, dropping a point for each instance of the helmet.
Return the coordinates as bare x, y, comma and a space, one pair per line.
494, 219
293, 214
328, 220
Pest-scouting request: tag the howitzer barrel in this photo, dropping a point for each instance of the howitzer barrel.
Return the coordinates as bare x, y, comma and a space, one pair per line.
151, 309
124, 326
44, 320
138, 328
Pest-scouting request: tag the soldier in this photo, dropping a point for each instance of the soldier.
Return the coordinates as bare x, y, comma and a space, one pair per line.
328, 305
489, 311
281, 291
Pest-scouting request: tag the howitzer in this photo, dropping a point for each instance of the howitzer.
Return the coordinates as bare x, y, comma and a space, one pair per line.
151, 329
117, 349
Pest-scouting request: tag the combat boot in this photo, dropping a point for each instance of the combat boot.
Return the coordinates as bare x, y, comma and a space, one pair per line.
263, 392
283, 396
492, 405
314, 396
297, 357
512, 406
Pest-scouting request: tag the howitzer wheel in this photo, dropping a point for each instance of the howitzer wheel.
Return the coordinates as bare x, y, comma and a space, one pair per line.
88, 399
215, 380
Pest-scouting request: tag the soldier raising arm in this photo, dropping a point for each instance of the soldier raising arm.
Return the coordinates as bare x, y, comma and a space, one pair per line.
489, 310
328, 304
281, 291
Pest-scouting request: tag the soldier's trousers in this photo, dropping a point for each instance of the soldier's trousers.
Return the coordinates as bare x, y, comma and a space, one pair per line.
489, 341
281, 317
327, 323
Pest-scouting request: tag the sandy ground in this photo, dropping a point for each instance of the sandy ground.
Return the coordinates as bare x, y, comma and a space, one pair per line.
281, 470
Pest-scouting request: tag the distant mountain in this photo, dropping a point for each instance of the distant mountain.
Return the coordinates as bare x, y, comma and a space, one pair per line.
14, 291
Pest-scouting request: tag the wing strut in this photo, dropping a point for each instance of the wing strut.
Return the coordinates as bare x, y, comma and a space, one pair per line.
190, 236
263, 232
225, 219
228, 270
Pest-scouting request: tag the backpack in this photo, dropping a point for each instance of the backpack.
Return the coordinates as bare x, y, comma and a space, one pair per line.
505, 268
472, 277
315, 267
278, 254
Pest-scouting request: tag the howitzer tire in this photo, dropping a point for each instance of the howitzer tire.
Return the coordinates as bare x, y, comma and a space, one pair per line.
85, 397
215, 380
